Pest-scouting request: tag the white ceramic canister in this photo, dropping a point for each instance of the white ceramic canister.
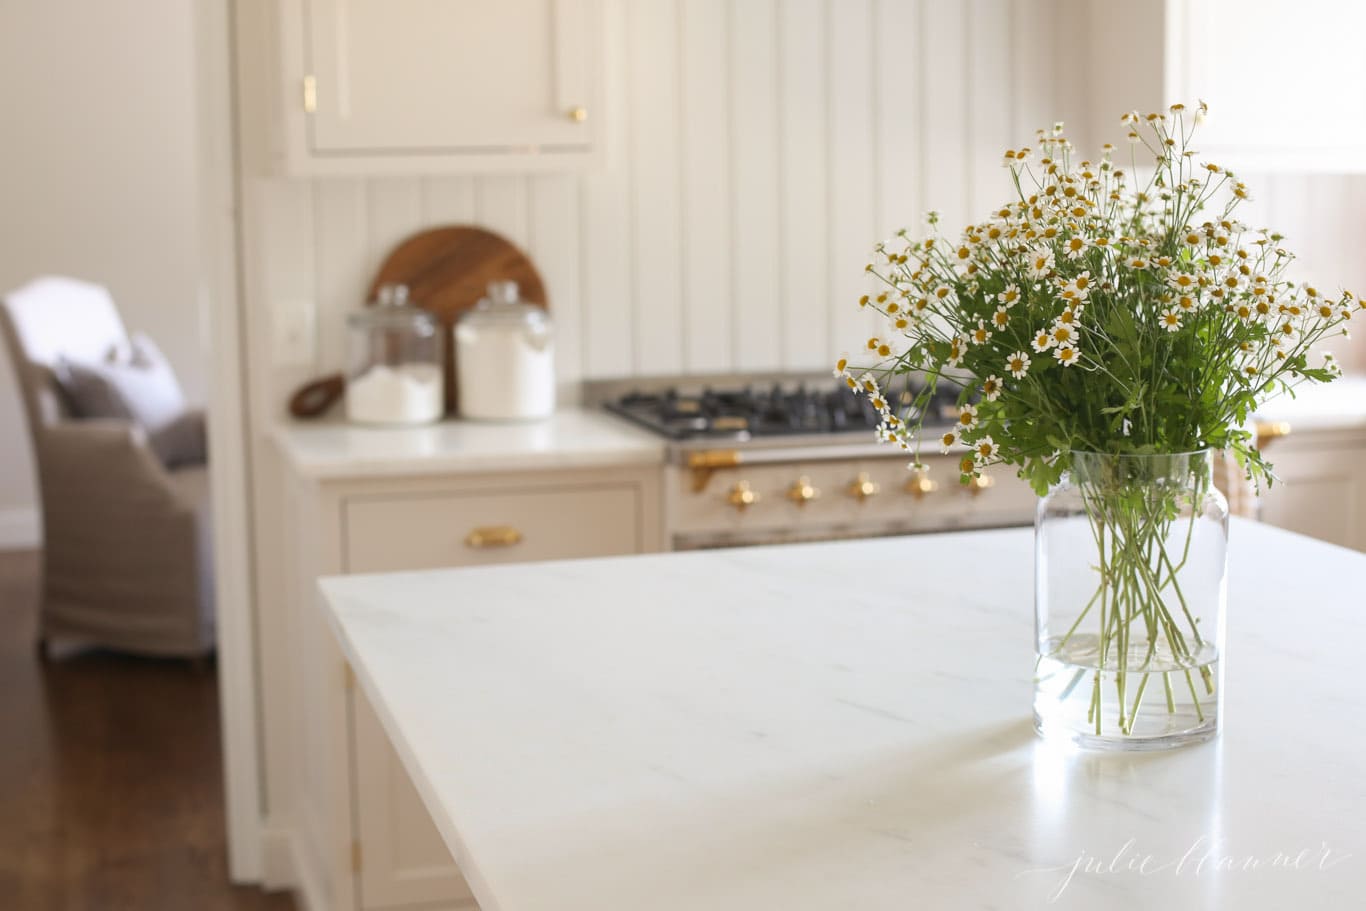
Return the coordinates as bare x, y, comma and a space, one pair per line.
505, 358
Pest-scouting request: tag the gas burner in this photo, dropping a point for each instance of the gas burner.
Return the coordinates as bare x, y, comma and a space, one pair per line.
753, 410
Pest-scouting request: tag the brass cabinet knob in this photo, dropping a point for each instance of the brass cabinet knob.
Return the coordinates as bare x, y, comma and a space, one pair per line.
920, 485
742, 496
802, 491
980, 483
493, 536
578, 114
863, 487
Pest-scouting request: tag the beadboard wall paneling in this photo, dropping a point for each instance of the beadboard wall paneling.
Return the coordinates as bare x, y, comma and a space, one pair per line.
757, 150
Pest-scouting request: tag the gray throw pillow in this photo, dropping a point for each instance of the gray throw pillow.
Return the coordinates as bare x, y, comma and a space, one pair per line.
134, 382
182, 442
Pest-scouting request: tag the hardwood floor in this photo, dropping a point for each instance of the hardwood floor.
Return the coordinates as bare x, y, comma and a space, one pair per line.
111, 792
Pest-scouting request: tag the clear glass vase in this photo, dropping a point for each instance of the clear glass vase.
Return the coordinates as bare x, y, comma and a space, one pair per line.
1129, 596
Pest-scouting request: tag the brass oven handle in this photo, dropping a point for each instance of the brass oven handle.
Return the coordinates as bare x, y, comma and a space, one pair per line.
920, 485
802, 491
741, 496
863, 487
493, 536
980, 483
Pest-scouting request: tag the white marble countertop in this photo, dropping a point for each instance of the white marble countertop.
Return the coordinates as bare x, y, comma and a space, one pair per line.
798, 728
572, 438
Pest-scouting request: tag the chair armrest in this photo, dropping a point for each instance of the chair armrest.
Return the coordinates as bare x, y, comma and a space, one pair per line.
105, 459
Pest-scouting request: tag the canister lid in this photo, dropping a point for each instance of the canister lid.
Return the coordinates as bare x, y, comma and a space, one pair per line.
502, 305
391, 309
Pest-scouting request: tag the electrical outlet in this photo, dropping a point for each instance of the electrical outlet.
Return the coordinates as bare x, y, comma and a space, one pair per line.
295, 335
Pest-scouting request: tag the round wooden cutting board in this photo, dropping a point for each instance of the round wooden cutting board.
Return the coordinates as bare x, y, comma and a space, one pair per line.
448, 270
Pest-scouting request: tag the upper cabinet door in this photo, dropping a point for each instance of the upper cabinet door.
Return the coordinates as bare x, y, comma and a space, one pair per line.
1284, 81
446, 85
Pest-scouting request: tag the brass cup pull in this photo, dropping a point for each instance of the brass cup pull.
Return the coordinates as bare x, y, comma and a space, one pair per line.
742, 496
863, 487
921, 486
493, 536
980, 483
578, 114
802, 491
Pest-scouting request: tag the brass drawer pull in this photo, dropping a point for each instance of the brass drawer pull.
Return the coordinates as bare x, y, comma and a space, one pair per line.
493, 536
1266, 431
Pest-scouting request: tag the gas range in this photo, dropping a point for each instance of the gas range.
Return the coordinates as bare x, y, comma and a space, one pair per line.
785, 410
768, 458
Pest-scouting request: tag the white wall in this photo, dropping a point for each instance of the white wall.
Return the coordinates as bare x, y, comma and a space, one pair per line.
97, 137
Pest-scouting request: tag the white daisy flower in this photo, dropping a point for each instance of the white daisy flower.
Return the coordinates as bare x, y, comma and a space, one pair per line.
1076, 246
1066, 355
1010, 296
842, 366
957, 348
985, 449
967, 417
1063, 334
1078, 288
1040, 262
991, 388
1043, 340
980, 335
1170, 319
1001, 318
948, 440
1018, 364
1183, 282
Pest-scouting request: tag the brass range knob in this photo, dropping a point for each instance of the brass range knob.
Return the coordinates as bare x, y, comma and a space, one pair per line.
920, 485
863, 487
802, 491
742, 496
980, 483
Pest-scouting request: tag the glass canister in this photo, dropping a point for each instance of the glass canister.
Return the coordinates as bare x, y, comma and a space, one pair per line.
505, 358
395, 374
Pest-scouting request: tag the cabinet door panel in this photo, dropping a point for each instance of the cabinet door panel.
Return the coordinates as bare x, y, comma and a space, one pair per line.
404, 860
433, 76
1320, 493
393, 533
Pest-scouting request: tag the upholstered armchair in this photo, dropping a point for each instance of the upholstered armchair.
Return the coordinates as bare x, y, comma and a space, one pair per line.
127, 561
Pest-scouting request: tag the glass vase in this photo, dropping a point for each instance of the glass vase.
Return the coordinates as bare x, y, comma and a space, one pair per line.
1129, 595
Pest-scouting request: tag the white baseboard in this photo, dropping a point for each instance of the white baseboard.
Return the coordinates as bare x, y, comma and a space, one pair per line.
285, 866
20, 528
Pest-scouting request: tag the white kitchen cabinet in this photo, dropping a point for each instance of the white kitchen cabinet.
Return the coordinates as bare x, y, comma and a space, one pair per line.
439, 86
365, 840
1322, 486
1283, 82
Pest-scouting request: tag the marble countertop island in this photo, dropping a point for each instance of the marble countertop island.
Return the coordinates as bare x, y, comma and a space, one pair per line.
847, 726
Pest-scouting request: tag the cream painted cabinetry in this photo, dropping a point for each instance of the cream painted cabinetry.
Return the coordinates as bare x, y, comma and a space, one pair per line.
414, 86
1322, 487
363, 837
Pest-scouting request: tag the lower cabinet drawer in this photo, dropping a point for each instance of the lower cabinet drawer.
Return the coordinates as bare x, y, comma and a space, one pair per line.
398, 532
